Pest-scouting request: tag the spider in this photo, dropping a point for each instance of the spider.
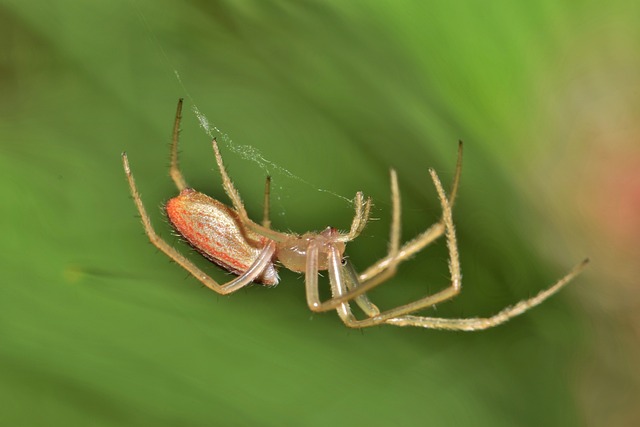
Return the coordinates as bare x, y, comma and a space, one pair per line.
226, 236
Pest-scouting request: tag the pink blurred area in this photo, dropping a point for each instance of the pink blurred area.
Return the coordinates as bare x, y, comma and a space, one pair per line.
611, 197
586, 170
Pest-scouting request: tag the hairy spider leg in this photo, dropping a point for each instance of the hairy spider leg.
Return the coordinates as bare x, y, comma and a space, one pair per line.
399, 315
350, 278
336, 269
174, 169
479, 323
385, 268
420, 241
266, 205
339, 289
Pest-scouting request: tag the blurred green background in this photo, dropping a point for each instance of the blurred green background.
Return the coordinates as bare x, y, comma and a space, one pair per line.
99, 328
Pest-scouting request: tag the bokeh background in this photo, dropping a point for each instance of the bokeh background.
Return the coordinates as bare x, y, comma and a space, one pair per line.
99, 328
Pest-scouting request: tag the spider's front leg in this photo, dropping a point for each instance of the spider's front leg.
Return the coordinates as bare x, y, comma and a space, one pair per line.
340, 289
480, 323
385, 268
401, 316
341, 277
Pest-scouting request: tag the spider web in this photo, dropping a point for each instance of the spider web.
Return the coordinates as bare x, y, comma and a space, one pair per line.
246, 152
249, 152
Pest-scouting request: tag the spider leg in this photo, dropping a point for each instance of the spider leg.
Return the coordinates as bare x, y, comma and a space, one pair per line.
360, 218
341, 277
449, 292
311, 277
311, 280
266, 206
456, 178
386, 268
244, 279
454, 264
174, 170
354, 288
400, 315
237, 202
350, 277
475, 324
338, 286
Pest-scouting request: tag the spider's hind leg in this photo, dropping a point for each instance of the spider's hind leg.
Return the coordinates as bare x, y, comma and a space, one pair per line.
233, 194
174, 169
266, 206
477, 323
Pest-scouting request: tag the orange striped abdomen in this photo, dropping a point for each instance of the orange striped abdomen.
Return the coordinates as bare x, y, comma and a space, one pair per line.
215, 231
